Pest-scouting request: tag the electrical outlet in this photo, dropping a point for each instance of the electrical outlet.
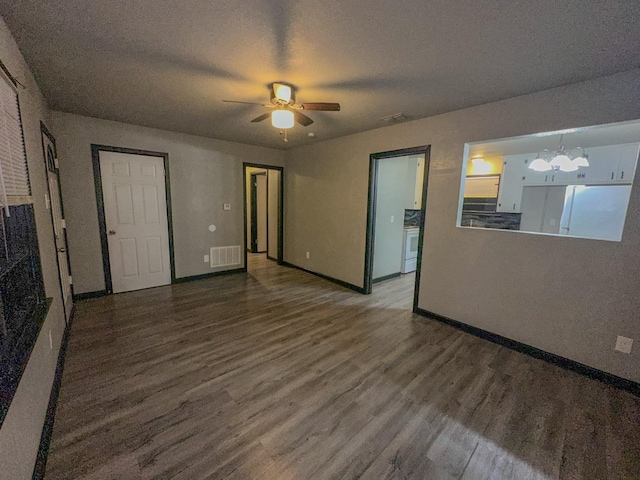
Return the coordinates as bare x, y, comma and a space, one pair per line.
307, 255
50, 340
206, 259
624, 344
227, 206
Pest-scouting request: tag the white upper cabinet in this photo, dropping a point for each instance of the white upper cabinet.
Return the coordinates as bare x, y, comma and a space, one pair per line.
613, 164
603, 166
628, 162
514, 172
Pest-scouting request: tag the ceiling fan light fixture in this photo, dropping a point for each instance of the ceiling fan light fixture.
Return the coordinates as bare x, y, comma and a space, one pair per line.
570, 167
582, 161
282, 119
282, 92
561, 161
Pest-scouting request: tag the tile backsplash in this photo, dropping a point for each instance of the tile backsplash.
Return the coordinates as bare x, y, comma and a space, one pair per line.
412, 218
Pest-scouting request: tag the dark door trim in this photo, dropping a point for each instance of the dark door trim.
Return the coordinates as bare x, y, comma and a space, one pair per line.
97, 178
48, 167
280, 258
371, 212
254, 211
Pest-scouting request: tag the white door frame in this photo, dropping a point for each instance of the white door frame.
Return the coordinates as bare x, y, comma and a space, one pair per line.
97, 177
61, 243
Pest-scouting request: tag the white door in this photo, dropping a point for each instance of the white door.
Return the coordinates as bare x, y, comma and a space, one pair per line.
58, 224
135, 212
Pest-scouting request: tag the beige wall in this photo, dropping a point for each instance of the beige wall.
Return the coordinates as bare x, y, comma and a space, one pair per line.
205, 174
567, 296
22, 427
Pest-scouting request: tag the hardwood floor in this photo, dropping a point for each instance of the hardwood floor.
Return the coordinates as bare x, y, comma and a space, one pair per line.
278, 374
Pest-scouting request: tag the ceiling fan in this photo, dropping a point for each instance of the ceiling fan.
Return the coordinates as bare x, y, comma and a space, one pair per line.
285, 109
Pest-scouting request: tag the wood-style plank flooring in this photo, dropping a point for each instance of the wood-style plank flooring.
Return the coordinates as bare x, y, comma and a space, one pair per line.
278, 374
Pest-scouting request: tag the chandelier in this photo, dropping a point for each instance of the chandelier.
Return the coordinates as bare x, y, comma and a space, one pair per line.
563, 159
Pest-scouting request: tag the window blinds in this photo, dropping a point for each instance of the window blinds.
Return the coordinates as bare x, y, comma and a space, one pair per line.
14, 177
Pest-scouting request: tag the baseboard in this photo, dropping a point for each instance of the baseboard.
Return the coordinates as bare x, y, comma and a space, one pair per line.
594, 373
204, 276
47, 429
85, 296
386, 277
273, 259
350, 286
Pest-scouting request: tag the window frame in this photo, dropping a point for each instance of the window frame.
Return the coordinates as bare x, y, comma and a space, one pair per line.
21, 261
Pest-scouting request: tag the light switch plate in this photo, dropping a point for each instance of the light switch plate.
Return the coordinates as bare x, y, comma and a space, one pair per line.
227, 206
206, 259
624, 344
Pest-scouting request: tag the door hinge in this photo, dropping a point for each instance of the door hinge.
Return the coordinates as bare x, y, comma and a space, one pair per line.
70, 280
63, 224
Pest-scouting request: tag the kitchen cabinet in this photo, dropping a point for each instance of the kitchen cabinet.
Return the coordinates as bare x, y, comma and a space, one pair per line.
603, 166
514, 172
627, 164
613, 164
417, 198
550, 177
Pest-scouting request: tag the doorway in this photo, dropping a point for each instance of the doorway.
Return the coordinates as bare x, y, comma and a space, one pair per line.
398, 183
263, 213
134, 212
57, 218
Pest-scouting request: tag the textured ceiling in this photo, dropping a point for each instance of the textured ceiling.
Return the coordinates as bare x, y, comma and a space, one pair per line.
168, 64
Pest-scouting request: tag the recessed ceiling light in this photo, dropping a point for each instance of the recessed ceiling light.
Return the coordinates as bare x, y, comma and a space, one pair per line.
311, 134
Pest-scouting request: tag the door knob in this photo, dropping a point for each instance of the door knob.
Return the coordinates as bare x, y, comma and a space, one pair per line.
112, 232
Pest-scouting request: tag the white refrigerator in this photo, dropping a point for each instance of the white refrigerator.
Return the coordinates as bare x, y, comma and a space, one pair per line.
595, 211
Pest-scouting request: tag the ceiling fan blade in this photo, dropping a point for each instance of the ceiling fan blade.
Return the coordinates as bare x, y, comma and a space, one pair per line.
248, 103
327, 107
262, 117
302, 119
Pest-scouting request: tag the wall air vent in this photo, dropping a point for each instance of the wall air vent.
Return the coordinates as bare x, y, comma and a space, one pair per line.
395, 118
223, 256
